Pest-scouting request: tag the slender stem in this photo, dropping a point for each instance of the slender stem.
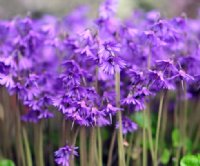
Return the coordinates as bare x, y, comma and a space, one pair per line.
129, 149
158, 126
185, 117
39, 144
149, 132
164, 121
100, 162
27, 148
197, 137
83, 147
92, 147
63, 132
75, 135
178, 151
19, 144
111, 148
119, 117
100, 158
177, 123
144, 148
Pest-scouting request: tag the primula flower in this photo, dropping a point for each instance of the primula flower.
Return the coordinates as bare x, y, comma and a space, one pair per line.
7, 81
158, 82
63, 155
137, 102
110, 110
109, 58
128, 126
108, 9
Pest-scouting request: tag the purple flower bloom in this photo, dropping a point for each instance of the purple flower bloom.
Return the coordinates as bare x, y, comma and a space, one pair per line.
158, 82
108, 9
128, 126
63, 155
137, 102
110, 61
111, 110
34, 116
7, 81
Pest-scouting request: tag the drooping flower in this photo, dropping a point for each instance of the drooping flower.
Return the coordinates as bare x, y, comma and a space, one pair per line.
128, 126
64, 154
109, 59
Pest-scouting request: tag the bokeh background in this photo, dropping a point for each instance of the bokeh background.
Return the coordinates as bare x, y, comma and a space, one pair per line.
10, 8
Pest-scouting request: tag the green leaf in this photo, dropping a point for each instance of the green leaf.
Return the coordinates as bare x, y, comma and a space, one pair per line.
104, 134
165, 156
5, 162
139, 119
189, 144
190, 160
176, 138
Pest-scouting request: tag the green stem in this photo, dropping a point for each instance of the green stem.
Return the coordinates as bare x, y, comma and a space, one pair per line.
158, 127
149, 132
185, 115
39, 144
144, 145
27, 148
119, 117
83, 147
178, 151
63, 132
129, 149
75, 135
109, 163
92, 147
100, 158
197, 137
19, 144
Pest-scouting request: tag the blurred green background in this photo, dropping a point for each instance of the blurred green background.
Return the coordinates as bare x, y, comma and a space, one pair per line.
10, 8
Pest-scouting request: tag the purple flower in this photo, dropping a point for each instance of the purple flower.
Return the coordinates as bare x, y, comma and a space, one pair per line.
34, 116
157, 81
181, 75
110, 61
63, 155
108, 9
137, 102
7, 81
128, 126
111, 110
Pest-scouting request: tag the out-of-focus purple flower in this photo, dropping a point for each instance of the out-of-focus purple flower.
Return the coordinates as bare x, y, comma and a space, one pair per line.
36, 115
158, 82
181, 75
63, 155
7, 81
77, 19
108, 9
128, 126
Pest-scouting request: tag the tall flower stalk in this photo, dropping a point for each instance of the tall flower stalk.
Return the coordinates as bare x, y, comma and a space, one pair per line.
119, 118
39, 158
158, 126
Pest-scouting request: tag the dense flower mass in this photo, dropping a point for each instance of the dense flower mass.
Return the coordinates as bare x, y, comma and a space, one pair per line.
69, 64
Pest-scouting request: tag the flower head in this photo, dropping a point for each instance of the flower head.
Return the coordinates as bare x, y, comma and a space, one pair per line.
63, 155
128, 126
